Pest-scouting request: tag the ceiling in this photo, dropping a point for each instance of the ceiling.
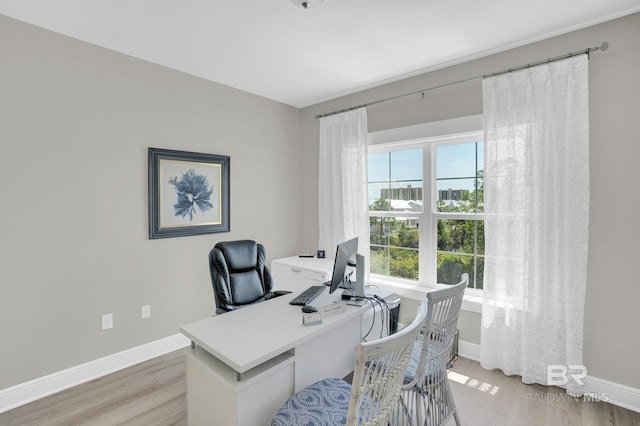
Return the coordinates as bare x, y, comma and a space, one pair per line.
301, 57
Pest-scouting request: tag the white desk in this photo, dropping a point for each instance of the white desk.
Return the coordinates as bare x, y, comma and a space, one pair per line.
244, 364
293, 272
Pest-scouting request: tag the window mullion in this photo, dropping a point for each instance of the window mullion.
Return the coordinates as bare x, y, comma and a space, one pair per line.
428, 239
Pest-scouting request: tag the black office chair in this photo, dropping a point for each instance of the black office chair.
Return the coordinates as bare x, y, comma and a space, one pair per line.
239, 275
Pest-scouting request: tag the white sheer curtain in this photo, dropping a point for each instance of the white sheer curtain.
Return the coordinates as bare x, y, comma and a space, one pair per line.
343, 202
536, 179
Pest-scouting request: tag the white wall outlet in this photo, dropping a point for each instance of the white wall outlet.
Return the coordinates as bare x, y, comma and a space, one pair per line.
107, 321
146, 311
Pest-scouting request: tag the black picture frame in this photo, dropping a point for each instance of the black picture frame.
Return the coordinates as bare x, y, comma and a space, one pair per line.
188, 193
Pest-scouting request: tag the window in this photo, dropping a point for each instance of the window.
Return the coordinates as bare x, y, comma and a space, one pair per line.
426, 209
395, 205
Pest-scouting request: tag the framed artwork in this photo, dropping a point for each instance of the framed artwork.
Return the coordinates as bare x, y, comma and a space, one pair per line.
188, 193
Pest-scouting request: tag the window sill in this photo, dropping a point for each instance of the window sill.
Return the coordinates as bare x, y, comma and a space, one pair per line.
472, 301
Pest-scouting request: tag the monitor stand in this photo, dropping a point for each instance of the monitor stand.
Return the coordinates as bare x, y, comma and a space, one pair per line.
356, 297
352, 299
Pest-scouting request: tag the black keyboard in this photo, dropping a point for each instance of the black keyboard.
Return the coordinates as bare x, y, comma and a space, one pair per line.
308, 295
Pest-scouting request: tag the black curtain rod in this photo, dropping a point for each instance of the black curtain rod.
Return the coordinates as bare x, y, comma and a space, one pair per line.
604, 46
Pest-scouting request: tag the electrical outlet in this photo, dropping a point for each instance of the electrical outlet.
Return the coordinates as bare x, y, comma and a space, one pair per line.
107, 321
146, 311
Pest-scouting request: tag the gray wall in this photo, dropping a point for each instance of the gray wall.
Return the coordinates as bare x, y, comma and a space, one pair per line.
611, 344
75, 124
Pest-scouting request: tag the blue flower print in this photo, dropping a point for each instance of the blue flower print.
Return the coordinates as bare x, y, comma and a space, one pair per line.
193, 191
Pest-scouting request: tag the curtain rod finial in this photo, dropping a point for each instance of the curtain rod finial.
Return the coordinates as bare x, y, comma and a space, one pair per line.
604, 46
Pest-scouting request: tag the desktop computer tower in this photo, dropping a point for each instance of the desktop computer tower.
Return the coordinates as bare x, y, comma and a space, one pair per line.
393, 302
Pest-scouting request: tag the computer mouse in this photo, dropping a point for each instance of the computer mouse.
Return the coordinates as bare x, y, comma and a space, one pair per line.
309, 309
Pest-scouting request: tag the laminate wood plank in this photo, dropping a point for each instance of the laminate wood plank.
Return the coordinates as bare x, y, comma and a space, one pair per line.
171, 375
465, 399
622, 416
139, 407
497, 392
485, 417
592, 413
555, 415
528, 407
609, 414
172, 412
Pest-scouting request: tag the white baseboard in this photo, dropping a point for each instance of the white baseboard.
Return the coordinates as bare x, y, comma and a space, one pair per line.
469, 350
613, 393
26, 392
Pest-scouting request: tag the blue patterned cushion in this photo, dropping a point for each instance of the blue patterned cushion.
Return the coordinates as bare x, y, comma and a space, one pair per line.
324, 403
416, 353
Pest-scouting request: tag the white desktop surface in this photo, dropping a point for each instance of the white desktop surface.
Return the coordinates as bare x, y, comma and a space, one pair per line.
248, 337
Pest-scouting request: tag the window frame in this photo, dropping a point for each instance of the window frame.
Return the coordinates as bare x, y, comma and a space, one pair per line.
401, 139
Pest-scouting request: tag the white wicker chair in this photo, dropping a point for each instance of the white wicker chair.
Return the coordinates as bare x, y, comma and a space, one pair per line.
373, 396
426, 397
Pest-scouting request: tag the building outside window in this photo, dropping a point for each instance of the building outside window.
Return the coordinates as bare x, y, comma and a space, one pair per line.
426, 209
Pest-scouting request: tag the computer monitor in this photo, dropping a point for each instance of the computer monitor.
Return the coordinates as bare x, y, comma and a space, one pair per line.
345, 256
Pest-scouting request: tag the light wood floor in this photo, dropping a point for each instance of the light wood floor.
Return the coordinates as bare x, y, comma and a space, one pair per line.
153, 393
150, 393
488, 397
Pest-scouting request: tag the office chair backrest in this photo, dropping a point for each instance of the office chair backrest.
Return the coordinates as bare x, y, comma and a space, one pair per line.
239, 274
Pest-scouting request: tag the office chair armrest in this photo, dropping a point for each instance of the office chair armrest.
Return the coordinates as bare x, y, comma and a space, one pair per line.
277, 293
